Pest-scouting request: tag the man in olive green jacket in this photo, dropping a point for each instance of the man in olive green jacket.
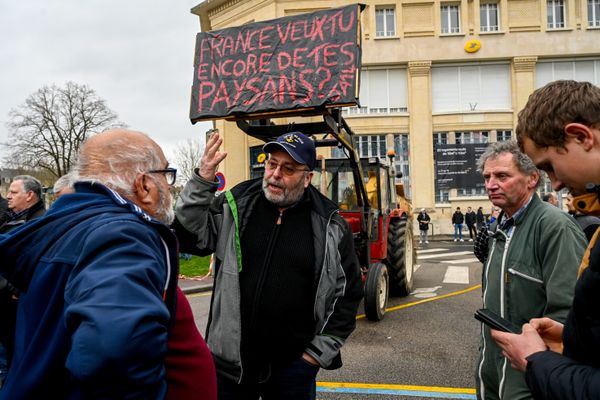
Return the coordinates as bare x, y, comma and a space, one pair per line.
531, 268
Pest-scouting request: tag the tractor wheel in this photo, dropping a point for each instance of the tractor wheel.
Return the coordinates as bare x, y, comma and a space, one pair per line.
400, 257
376, 292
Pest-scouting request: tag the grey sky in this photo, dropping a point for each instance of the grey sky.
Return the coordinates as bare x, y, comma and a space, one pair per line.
136, 54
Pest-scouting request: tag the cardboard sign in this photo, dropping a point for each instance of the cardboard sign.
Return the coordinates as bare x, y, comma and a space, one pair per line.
303, 61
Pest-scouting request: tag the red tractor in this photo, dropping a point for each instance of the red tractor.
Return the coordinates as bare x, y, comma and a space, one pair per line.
368, 199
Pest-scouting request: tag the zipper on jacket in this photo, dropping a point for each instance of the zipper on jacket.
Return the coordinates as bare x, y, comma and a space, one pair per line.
524, 276
279, 218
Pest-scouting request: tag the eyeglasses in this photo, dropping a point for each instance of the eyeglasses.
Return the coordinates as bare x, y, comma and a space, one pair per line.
272, 165
170, 174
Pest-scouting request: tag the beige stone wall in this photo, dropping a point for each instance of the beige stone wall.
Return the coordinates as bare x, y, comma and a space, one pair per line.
523, 40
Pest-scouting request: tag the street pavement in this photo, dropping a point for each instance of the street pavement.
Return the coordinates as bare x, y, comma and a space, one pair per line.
205, 283
196, 285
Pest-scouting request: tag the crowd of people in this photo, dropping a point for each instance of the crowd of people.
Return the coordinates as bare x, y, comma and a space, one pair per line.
92, 307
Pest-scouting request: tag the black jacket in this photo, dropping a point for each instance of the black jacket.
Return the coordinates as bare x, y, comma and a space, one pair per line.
424, 220
4, 214
470, 218
575, 374
458, 217
35, 211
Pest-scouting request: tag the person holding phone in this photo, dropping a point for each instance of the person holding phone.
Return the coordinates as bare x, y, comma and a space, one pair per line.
531, 265
559, 128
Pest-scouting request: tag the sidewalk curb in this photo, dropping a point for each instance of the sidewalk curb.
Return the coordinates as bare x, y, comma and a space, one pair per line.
197, 289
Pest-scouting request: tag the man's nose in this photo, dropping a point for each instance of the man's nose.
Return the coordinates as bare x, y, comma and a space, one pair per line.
277, 172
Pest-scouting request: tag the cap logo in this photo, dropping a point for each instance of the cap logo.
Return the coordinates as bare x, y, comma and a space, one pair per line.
293, 138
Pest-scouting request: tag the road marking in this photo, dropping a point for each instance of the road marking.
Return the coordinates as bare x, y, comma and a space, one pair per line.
433, 392
457, 275
462, 261
430, 251
414, 303
458, 253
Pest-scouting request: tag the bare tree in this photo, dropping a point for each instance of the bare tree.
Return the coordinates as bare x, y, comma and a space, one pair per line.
187, 157
47, 130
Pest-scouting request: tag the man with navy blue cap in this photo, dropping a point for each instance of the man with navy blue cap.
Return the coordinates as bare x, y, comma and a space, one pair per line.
287, 280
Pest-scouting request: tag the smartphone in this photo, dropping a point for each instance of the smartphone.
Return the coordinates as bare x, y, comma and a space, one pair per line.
495, 321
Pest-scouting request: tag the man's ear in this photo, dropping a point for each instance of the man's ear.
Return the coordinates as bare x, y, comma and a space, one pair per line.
142, 189
580, 134
533, 180
30, 197
308, 178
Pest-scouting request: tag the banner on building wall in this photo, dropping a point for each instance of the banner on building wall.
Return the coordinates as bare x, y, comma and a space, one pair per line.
291, 63
456, 166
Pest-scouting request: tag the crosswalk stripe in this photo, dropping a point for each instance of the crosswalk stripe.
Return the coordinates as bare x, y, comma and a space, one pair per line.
430, 251
457, 275
461, 261
458, 253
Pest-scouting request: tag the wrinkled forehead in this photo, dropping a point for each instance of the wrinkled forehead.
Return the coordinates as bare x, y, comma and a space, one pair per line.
17, 186
282, 157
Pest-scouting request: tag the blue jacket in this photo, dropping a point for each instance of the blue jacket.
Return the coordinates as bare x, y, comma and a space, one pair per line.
91, 320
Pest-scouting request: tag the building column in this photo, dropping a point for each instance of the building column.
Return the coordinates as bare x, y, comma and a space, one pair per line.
523, 82
422, 171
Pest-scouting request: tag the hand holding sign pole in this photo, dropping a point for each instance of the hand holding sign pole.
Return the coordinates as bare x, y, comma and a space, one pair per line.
212, 156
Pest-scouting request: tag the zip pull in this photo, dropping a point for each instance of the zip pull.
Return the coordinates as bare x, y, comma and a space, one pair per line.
279, 218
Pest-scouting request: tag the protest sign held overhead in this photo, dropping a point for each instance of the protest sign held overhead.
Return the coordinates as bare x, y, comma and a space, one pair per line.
281, 65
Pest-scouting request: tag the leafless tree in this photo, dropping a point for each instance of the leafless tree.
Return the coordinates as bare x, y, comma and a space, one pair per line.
45, 132
187, 157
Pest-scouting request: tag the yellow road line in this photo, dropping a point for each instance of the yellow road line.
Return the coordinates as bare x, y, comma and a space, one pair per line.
414, 303
396, 387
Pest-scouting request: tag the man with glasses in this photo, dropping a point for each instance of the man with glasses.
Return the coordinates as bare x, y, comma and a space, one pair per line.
99, 314
287, 280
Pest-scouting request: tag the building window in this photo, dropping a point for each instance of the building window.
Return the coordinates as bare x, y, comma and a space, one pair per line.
578, 70
556, 14
385, 21
471, 88
382, 91
489, 17
450, 18
440, 138
472, 137
471, 192
594, 13
503, 136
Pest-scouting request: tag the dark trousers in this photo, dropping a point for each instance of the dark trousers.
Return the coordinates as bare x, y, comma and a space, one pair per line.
472, 231
295, 380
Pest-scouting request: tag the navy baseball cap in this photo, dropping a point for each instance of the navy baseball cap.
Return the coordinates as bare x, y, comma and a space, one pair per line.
299, 146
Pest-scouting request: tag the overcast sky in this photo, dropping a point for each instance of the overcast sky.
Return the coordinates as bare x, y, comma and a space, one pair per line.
136, 54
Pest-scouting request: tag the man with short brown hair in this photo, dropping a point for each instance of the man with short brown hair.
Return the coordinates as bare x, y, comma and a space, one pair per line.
559, 128
530, 270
